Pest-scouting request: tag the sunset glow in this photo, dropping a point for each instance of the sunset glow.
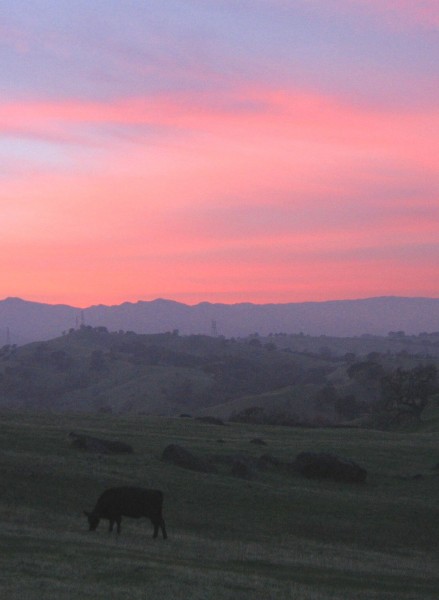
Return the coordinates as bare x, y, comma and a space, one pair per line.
255, 151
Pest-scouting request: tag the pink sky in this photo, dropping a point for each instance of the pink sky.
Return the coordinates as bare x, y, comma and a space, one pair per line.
222, 161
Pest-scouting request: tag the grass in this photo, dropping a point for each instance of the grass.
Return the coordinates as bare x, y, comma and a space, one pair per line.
274, 537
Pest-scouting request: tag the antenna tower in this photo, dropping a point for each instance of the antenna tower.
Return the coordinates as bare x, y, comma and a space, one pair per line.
213, 329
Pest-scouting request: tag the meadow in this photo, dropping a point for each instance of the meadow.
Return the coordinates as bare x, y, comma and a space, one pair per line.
275, 536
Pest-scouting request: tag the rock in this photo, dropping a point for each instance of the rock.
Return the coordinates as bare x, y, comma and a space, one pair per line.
267, 462
415, 477
240, 465
210, 420
258, 441
181, 457
324, 465
99, 446
242, 468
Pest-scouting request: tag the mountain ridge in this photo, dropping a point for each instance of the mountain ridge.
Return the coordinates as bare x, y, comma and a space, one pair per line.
23, 321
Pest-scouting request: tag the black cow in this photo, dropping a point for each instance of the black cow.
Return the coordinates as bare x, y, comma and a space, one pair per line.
134, 502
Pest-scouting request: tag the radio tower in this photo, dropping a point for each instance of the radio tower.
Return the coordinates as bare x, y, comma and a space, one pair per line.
213, 329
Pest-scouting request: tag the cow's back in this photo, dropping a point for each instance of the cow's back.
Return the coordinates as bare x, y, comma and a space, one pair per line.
129, 501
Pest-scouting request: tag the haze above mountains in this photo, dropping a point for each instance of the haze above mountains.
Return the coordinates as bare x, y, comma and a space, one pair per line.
22, 321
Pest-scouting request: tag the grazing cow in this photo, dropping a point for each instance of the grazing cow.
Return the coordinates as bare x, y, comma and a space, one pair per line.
134, 502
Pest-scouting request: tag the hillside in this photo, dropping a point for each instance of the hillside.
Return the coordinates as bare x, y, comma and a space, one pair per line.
22, 321
278, 379
92, 369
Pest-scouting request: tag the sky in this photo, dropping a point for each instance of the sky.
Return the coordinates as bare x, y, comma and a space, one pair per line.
264, 151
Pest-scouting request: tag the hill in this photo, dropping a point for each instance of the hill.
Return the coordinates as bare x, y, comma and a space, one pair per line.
93, 369
279, 379
22, 321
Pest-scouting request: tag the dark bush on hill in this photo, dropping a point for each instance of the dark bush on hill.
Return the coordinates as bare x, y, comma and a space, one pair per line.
367, 372
405, 393
238, 376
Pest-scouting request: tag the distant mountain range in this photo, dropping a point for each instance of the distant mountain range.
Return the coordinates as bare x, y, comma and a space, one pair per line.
22, 321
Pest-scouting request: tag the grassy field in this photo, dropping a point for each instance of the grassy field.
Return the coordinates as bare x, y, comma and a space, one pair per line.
277, 536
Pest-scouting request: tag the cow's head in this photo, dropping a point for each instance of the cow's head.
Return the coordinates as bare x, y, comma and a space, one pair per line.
93, 520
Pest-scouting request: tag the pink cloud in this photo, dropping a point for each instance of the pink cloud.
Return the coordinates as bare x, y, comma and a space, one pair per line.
287, 120
288, 196
14, 38
396, 13
423, 12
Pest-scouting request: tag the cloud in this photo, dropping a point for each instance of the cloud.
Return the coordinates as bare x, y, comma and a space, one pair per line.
234, 152
395, 13
264, 143
242, 116
399, 12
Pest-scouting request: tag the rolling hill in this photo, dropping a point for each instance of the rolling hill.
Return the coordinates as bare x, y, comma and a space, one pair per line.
293, 379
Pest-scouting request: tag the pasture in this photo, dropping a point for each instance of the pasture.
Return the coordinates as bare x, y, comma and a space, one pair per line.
275, 536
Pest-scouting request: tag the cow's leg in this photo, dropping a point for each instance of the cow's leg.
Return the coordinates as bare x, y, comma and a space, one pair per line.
111, 525
159, 524
118, 521
156, 529
163, 528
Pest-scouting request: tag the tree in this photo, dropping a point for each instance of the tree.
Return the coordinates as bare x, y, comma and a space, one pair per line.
325, 398
405, 393
97, 360
367, 372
